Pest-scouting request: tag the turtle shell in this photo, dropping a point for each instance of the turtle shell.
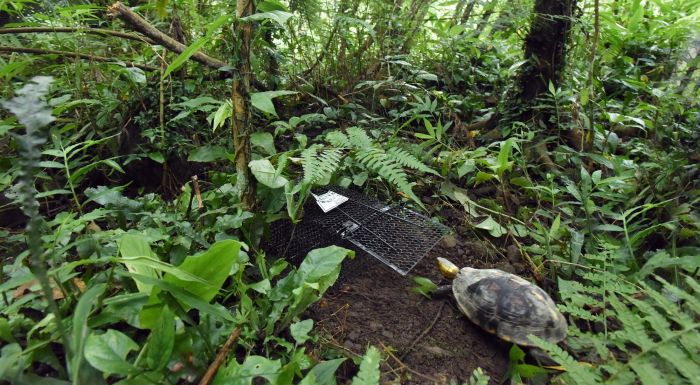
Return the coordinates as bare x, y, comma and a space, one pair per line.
508, 306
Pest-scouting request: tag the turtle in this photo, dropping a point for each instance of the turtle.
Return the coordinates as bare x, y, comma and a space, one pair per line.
504, 304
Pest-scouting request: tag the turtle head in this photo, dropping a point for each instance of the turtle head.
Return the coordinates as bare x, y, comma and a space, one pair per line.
447, 268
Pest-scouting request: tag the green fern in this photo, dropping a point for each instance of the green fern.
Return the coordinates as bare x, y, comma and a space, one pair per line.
650, 333
389, 164
478, 377
369, 368
407, 160
318, 168
359, 138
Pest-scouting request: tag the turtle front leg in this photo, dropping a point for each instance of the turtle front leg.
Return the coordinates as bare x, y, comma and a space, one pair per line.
442, 291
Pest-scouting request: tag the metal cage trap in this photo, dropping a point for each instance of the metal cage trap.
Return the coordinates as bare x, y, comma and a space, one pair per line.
395, 235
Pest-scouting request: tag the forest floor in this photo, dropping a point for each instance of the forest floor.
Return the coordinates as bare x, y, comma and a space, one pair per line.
430, 340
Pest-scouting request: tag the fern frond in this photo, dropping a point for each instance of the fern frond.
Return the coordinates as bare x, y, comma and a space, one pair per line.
656, 337
318, 168
359, 138
578, 372
407, 160
338, 139
369, 368
388, 168
691, 301
478, 377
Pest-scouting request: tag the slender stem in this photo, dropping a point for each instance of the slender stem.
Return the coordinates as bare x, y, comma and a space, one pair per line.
70, 182
38, 51
96, 31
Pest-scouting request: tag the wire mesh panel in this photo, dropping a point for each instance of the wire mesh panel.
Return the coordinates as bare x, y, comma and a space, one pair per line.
395, 235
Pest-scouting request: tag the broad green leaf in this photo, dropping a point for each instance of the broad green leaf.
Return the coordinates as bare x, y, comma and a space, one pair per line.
207, 154
320, 263
224, 112
279, 17
266, 174
529, 371
263, 100
80, 327
483, 177
265, 141
244, 374
369, 368
493, 227
157, 157
300, 330
107, 352
553, 231
324, 372
504, 164
133, 245
213, 266
161, 341
149, 318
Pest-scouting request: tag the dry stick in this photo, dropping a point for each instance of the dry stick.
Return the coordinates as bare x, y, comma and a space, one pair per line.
197, 192
220, 357
403, 366
96, 31
38, 51
139, 24
424, 332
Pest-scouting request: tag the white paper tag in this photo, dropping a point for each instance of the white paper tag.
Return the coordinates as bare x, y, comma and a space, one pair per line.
329, 200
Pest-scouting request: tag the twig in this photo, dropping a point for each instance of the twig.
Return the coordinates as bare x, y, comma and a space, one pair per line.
424, 332
140, 25
220, 357
38, 51
403, 366
96, 31
197, 192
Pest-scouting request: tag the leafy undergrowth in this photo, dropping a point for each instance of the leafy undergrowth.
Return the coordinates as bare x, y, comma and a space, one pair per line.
119, 267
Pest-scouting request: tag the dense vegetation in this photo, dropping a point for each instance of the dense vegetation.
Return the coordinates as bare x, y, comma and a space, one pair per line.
146, 147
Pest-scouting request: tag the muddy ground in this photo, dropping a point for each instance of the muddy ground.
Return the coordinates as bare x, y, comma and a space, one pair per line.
429, 339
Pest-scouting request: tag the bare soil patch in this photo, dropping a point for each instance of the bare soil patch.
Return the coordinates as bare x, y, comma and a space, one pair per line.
430, 340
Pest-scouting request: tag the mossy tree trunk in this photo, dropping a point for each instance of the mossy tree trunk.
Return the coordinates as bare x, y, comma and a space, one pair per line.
240, 98
545, 48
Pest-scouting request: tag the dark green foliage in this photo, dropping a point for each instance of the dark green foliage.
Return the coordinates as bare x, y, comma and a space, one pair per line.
598, 194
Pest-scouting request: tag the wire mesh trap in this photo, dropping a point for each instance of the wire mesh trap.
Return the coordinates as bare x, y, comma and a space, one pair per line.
395, 235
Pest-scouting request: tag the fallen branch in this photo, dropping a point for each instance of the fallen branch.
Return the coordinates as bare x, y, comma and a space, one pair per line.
38, 51
96, 31
220, 357
423, 333
139, 24
405, 367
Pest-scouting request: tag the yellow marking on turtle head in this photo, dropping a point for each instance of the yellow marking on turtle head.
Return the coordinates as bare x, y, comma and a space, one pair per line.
448, 269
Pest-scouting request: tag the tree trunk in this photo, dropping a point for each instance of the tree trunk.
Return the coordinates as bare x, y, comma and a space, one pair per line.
240, 98
467, 11
486, 15
545, 48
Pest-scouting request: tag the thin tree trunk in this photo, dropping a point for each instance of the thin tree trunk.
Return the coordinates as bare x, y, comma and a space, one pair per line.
545, 47
458, 11
468, 11
240, 99
486, 15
